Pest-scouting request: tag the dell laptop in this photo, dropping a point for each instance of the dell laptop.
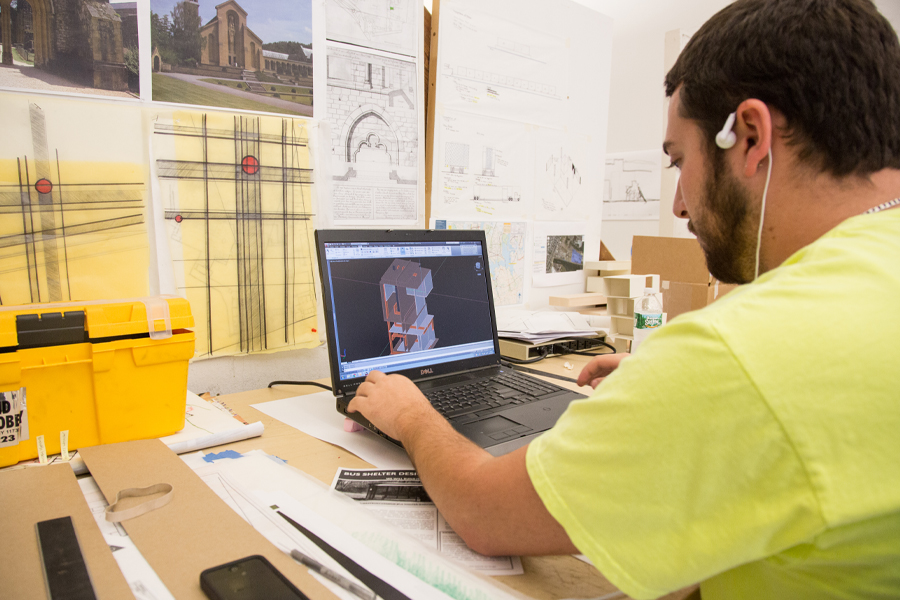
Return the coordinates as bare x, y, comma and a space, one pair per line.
419, 303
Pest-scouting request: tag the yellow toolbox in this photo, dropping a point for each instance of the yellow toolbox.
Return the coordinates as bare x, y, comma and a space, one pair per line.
92, 373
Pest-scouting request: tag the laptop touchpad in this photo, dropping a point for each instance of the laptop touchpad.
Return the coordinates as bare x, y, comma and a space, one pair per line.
493, 430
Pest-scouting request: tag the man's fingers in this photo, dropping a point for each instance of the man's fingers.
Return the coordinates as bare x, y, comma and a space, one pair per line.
375, 377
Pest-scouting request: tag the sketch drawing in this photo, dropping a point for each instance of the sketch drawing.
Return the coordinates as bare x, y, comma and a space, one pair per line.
565, 177
404, 287
383, 24
236, 195
65, 224
631, 187
509, 70
373, 112
456, 158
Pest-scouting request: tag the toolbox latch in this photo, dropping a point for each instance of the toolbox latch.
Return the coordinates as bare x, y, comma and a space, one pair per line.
157, 314
50, 329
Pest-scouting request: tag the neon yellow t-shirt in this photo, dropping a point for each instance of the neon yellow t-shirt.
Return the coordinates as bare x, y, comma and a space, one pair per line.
753, 445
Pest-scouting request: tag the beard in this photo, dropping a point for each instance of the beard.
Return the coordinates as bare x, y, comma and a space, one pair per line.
724, 228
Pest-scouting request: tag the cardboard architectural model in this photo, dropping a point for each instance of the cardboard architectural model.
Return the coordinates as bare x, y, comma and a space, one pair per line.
404, 287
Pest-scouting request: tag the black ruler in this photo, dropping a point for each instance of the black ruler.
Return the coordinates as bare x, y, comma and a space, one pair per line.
65, 571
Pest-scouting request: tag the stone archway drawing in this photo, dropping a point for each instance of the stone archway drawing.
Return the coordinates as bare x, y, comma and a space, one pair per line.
360, 132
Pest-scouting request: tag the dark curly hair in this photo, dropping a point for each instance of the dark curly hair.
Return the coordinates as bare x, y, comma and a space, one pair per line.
832, 67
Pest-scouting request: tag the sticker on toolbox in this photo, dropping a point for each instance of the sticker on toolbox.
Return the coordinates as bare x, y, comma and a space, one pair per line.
13, 418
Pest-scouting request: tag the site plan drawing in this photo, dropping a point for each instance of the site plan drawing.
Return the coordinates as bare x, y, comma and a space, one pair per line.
373, 112
72, 199
388, 25
508, 70
484, 167
631, 186
236, 198
506, 246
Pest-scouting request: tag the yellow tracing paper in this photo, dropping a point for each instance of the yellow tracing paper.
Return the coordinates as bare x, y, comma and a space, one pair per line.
236, 193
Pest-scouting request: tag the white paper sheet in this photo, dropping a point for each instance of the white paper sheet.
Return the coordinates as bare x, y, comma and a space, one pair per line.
504, 68
315, 415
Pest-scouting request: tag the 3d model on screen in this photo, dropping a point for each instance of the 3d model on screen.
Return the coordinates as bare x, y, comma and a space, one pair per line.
404, 287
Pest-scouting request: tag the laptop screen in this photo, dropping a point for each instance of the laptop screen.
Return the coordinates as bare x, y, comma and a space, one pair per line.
406, 305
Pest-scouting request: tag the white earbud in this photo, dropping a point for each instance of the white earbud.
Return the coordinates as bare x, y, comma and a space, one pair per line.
726, 138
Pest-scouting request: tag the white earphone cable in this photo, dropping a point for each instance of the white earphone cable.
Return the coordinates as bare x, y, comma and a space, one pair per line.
762, 216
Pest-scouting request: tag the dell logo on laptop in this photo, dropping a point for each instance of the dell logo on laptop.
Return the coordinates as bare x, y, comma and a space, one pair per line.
427, 372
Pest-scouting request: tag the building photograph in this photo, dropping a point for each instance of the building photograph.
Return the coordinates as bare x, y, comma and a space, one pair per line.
71, 46
233, 55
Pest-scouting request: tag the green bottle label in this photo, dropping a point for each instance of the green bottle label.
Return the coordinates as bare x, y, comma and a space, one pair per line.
647, 321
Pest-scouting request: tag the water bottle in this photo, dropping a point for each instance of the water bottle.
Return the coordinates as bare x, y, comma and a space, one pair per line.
648, 315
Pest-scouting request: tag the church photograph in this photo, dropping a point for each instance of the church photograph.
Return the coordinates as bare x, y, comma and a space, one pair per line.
249, 55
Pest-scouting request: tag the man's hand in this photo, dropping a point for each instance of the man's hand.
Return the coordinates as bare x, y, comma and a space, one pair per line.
392, 403
599, 367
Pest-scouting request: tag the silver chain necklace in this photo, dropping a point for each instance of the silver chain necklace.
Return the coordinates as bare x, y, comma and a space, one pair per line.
881, 207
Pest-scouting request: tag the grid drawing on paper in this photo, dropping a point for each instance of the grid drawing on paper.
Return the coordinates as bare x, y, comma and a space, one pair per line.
236, 196
65, 223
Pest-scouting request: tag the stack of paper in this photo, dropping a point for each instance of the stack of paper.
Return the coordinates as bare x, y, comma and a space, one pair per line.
539, 327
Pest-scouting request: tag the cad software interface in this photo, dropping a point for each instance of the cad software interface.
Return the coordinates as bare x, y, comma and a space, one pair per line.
407, 305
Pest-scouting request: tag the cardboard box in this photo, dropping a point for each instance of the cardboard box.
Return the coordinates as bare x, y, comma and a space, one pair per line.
685, 280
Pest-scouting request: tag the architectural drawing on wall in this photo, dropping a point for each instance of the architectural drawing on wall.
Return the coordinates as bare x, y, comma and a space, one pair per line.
236, 198
374, 133
506, 256
564, 189
383, 24
631, 187
485, 167
510, 70
497, 193
456, 158
404, 287
66, 223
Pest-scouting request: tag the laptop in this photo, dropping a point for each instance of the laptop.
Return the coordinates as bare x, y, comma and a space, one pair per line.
419, 303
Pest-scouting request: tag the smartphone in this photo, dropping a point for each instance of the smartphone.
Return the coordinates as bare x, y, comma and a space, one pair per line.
250, 578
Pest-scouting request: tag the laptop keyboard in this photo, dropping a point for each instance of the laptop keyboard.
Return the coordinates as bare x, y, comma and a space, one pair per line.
494, 393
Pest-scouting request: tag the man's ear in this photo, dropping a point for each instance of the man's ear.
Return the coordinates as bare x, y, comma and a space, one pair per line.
753, 128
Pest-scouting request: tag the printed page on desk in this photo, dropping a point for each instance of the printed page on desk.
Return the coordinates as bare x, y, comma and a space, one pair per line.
400, 498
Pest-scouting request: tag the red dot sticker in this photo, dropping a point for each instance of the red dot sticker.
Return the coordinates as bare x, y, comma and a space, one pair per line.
179, 218
314, 330
250, 165
43, 186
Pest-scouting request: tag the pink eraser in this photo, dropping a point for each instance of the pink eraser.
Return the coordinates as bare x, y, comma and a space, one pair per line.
350, 425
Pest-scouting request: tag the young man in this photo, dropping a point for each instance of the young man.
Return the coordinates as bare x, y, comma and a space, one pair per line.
753, 446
